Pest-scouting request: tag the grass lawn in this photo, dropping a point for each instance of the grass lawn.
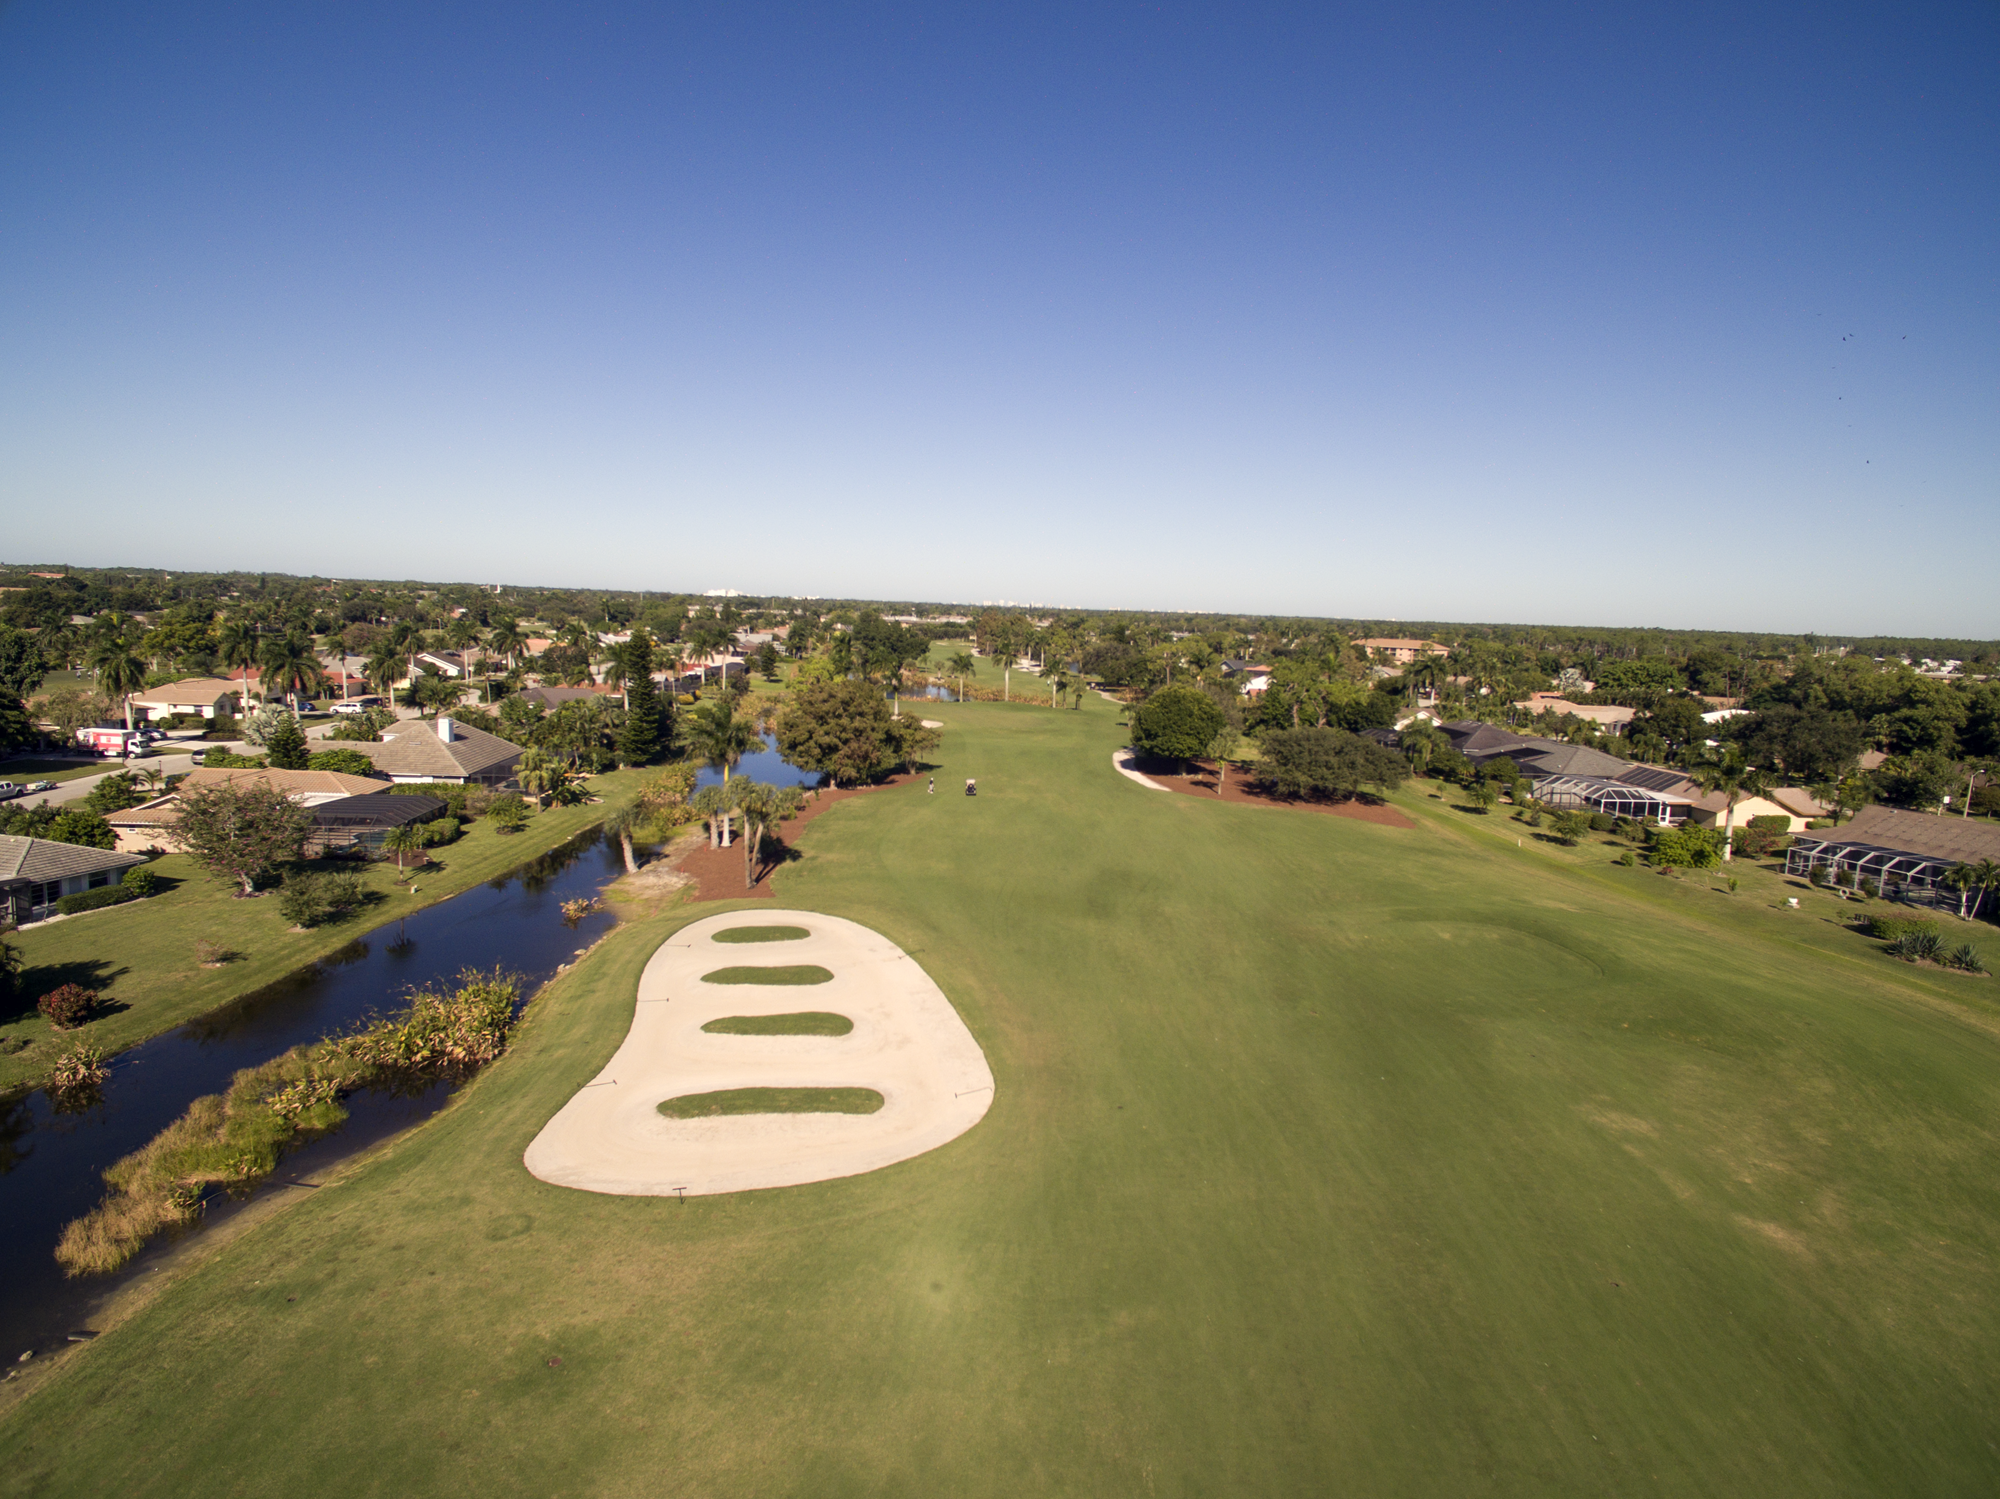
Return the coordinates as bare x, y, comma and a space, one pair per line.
1324, 1158
772, 1101
141, 956
20, 772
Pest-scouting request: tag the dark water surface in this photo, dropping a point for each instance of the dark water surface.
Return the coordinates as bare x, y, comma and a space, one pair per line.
765, 765
50, 1163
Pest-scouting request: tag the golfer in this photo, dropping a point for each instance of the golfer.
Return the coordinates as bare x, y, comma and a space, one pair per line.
971, 787
931, 789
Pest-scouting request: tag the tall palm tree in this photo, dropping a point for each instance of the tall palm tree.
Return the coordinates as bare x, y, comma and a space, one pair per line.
963, 665
236, 648
1734, 779
613, 672
507, 640
1059, 680
291, 666
719, 739
408, 640
383, 666
120, 672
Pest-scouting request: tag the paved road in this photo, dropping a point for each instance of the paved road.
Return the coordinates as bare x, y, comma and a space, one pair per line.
175, 758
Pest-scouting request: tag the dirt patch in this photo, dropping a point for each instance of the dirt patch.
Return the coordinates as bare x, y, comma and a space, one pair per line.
717, 873
1200, 781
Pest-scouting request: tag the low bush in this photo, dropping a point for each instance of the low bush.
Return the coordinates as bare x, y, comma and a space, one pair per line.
508, 813
1965, 957
225, 760
1917, 947
309, 899
142, 883
441, 830
1888, 928
1686, 847
1628, 858
1602, 822
96, 900
67, 1006
1570, 827
344, 761
1754, 842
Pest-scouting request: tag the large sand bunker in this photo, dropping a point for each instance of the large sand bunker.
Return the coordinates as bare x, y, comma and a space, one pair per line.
907, 1043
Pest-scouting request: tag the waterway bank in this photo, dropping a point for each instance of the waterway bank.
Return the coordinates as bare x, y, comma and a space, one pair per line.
51, 1161
142, 956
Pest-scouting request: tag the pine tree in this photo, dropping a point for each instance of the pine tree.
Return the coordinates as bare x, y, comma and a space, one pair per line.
639, 740
285, 745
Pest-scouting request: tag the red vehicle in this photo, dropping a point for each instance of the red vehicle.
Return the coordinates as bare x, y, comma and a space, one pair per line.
113, 743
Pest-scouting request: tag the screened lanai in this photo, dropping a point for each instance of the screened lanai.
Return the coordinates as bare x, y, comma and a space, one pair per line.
1908, 853
1614, 798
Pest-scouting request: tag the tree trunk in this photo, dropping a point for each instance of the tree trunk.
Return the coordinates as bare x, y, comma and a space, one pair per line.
1728, 827
625, 843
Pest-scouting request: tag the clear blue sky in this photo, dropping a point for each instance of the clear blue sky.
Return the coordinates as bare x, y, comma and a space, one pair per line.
1682, 315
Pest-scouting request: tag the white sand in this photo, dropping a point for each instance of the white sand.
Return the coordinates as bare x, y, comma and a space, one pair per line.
1122, 760
907, 1043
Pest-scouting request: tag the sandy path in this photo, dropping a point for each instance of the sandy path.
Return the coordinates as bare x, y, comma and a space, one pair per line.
1122, 760
907, 1043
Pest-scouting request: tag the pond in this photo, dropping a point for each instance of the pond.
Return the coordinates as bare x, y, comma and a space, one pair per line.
765, 765
51, 1163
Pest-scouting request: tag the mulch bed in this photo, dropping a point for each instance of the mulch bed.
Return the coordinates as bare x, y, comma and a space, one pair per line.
718, 872
1201, 782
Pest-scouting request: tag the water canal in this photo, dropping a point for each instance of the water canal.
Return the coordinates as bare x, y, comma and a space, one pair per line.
50, 1163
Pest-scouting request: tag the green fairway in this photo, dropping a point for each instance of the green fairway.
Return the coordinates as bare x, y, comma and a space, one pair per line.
142, 956
1323, 1158
762, 934
773, 1101
800, 1023
795, 973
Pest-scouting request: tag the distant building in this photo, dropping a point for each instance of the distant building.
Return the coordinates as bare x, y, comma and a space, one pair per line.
1400, 650
1907, 853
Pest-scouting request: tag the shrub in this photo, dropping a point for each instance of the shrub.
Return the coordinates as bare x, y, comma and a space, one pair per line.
1965, 958
97, 900
508, 813
1687, 847
440, 831
225, 760
142, 883
1889, 928
1817, 876
1628, 858
459, 801
1917, 947
1870, 886
212, 954
1571, 826
1602, 822
1844, 879
309, 899
1631, 829
345, 761
82, 1066
67, 1006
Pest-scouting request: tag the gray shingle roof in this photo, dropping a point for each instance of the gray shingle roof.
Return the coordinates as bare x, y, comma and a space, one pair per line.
42, 859
1960, 839
414, 748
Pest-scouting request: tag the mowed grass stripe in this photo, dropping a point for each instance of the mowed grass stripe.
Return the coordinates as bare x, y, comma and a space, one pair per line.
798, 1023
729, 1101
793, 973
1323, 1158
761, 934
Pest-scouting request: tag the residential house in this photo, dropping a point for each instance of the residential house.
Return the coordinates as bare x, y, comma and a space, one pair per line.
150, 825
211, 697
1793, 803
363, 822
1537, 756
415, 750
1907, 853
452, 664
1250, 679
37, 872
554, 697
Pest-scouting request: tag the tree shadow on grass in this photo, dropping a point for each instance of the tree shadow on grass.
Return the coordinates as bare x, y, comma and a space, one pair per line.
42, 978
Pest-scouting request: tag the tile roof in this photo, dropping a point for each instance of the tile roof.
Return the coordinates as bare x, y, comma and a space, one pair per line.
416, 748
1957, 838
298, 783
42, 859
189, 690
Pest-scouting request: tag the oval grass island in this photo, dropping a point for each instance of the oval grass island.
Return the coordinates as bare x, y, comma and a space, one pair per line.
718, 1087
797, 1023
772, 1101
763, 934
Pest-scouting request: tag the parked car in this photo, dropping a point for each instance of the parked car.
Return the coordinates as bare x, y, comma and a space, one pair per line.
200, 757
33, 786
354, 707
